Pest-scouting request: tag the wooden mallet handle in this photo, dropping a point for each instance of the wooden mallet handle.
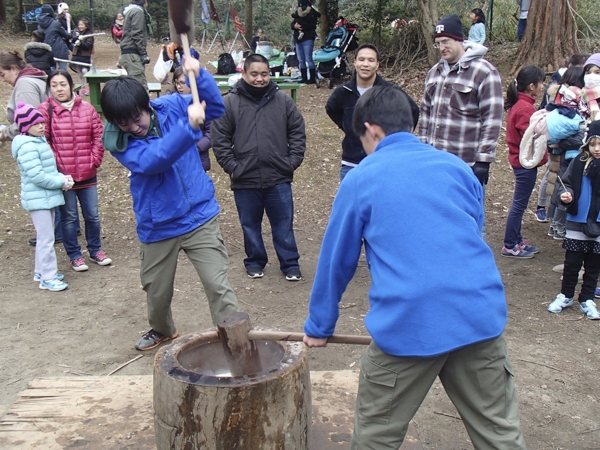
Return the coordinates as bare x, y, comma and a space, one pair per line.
186, 51
285, 336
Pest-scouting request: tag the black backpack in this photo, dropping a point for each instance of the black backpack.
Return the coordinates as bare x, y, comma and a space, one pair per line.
225, 64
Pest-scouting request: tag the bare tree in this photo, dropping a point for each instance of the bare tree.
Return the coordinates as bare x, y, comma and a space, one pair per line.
429, 17
550, 36
248, 26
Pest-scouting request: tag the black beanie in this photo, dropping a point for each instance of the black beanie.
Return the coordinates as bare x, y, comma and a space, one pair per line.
449, 26
47, 9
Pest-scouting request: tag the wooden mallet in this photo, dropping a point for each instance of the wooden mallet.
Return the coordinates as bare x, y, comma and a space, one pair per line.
181, 20
238, 340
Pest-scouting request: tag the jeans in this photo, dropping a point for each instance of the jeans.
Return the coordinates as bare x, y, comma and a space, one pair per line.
304, 52
521, 28
278, 203
525, 180
344, 169
88, 198
62, 65
542, 194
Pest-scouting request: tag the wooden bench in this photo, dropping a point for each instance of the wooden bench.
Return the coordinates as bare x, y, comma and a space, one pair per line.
292, 87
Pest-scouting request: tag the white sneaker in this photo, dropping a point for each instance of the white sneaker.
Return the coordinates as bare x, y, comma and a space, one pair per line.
559, 303
53, 285
589, 309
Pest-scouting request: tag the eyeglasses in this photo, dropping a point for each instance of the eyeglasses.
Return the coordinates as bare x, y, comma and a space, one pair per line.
445, 43
180, 83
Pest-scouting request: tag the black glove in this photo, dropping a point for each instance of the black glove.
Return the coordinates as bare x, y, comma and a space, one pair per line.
482, 171
145, 59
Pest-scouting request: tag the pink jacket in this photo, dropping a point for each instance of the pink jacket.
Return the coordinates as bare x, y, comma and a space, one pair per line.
75, 137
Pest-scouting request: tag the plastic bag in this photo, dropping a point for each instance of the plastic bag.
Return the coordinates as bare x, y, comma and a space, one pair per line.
162, 67
237, 56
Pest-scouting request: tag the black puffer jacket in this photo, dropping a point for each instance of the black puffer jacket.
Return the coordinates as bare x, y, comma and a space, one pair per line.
308, 21
55, 34
259, 144
340, 108
39, 55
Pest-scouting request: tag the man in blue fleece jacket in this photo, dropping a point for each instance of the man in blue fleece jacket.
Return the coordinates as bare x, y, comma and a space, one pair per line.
437, 305
173, 198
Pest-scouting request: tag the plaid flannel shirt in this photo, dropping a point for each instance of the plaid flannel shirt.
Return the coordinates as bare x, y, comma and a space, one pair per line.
461, 112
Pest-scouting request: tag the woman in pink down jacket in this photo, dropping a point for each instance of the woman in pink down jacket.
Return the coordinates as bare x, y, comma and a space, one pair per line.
74, 131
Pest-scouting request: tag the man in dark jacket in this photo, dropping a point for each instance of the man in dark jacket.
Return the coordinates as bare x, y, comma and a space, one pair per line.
55, 35
134, 41
259, 142
340, 106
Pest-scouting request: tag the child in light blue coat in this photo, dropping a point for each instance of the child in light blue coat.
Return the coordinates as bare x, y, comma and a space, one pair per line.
477, 30
41, 191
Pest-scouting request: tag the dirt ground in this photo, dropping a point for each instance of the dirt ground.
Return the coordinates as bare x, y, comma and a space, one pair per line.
90, 329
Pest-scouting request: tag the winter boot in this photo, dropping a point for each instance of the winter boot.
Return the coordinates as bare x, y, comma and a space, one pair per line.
313, 77
304, 79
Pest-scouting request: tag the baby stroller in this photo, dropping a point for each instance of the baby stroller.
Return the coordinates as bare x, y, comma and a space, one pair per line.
331, 58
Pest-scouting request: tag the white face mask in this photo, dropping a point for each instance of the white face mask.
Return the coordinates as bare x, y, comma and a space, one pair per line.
591, 80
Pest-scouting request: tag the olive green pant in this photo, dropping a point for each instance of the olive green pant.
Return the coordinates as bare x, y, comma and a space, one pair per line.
477, 378
205, 249
134, 67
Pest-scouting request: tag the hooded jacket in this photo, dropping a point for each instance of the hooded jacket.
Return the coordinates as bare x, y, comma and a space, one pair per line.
172, 194
462, 107
259, 145
30, 88
340, 108
55, 34
75, 137
135, 36
39, 55
41, 183
308, 19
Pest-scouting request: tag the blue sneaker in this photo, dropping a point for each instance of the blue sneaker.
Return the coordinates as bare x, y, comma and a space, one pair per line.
54, 285
38, 277
559, 303
516, 252
589, 309
540, 214
597, 293
528, 248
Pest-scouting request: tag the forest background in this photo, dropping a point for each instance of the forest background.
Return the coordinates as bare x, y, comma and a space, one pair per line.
401, 47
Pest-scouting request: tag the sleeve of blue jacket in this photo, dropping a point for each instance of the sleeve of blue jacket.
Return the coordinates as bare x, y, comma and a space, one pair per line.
155, 155
337, 261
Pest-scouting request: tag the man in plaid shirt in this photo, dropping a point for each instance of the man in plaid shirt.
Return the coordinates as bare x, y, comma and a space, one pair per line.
461, 109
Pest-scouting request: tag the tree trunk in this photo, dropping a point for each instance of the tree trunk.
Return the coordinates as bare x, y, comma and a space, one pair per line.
248, 26
2, 11
197, 406
322, 7
429, 17
550, 36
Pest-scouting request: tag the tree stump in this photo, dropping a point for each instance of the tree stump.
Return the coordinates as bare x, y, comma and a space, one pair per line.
198, 405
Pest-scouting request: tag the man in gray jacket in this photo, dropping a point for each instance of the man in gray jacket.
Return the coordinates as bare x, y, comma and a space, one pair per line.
134, 41
260, 142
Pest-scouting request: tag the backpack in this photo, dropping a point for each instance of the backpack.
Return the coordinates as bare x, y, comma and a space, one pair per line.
225, 64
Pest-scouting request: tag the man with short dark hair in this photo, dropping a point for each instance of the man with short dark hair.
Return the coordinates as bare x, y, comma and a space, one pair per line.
260, 142
173, 198
134, 55
437, 308
340, 104
461, 109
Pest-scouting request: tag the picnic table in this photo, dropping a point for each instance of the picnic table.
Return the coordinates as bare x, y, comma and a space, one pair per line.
97, 78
